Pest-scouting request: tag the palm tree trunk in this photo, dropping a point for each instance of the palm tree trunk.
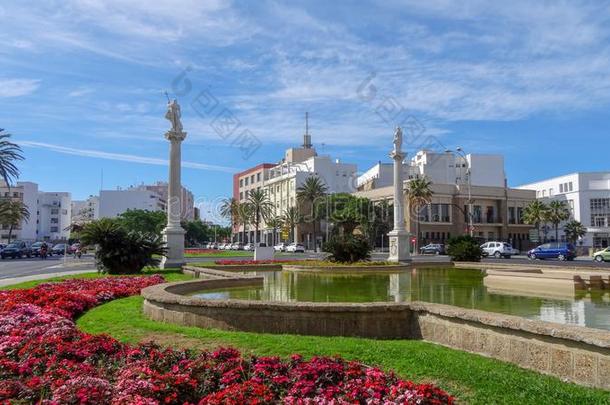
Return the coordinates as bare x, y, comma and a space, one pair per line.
416, 246
314, 235
557, 232
10, 233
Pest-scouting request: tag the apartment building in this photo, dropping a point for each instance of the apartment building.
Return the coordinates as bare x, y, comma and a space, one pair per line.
187, 200
281, 180
86, 210
587, 194
50, 213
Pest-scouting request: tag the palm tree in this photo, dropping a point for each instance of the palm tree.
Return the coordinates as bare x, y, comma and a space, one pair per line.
9, 153
243, 217
535, 214
419, 194
229, 208
311, 192
574, 230
12, 213
291, 218
261, 207
275, 223
556, 213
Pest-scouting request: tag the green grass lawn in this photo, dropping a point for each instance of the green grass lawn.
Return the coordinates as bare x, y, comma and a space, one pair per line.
472, 378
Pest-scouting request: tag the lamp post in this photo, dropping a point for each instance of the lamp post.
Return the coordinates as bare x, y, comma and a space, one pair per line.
462, 154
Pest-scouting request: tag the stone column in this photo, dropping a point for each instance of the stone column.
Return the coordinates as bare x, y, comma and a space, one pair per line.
399, 237
173, 234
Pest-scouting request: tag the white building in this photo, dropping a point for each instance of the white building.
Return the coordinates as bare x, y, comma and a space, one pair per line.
54, 215
50, 213
112, 203
440, 168
588, 197
86, 210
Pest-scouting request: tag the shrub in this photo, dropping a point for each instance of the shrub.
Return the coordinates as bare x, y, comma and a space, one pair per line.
464, 249
348, 248
120, 251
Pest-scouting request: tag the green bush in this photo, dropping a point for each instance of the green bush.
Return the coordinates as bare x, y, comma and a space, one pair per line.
464, 249
348, 248
120, 251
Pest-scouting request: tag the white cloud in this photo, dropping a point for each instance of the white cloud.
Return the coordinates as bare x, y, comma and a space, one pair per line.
122, 157
18, 87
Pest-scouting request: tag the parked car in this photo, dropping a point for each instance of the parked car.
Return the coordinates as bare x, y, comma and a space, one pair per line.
432, 249
280, 247
60, 249
16, 250
497, 249
295, 247
602, 255
249, 246
561, 251
238, 246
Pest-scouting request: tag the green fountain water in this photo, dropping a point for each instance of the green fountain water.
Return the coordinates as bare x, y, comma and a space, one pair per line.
462, 288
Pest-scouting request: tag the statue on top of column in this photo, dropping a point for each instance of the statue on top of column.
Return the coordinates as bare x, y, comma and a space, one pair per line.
173, 115
397, 141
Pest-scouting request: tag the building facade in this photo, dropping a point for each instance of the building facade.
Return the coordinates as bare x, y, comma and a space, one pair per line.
497, 213
587, 195
187, 200
50, 213
86, 210
113, 203
497, 210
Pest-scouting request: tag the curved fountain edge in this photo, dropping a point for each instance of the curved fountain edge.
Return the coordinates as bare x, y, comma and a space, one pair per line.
572, 353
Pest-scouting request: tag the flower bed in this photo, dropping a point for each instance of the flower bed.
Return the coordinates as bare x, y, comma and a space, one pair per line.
45, 359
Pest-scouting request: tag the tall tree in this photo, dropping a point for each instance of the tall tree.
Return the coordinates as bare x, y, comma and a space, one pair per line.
12, 213
291, 218
574, 230
261, 208
275, 223
9, 153
535, 214
229, 209
556, 213
312, 192
143, 221
244, 215
347, 212
419, 194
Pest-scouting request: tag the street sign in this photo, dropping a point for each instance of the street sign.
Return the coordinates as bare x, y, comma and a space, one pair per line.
534, 236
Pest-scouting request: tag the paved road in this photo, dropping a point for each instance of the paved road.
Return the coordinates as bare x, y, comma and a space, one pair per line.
12, 268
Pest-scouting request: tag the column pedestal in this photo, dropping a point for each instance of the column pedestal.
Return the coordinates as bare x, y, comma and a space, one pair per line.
399, 246
174, 240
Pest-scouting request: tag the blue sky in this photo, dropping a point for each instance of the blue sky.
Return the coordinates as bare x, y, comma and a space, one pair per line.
81, 84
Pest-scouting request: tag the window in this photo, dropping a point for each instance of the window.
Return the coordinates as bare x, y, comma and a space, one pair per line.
241, 195
571, 206
258, 177
512, 219
477, 214
519, 215
435, 212
445, 216
600, 212
54, 211
252, 179
490, 215
54, 220
561, 188
570, 187
550, 192
241, 182
54, 229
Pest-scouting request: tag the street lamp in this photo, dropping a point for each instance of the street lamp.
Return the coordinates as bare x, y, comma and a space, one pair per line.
462, 154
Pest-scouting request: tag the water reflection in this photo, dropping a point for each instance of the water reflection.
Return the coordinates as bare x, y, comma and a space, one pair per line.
463, 288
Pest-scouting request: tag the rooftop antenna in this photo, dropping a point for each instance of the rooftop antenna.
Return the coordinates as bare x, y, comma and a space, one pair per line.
307, 137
